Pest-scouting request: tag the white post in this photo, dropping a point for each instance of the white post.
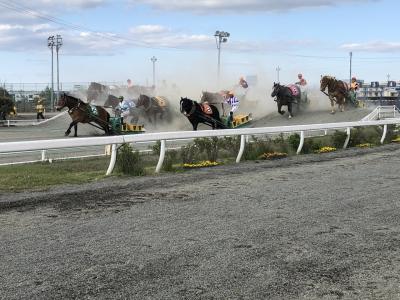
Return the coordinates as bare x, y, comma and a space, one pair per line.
301, 142
43, 155
8, 123
112, 160
162, 155
241, 149
384, 133
346, 142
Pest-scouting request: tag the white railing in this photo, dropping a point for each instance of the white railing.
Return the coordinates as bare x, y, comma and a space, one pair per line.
383, 112
165, 136
33, 122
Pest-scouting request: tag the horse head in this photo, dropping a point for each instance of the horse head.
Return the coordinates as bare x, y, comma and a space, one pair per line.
142, 99
186, 106
62, 101
275, 89
326, 81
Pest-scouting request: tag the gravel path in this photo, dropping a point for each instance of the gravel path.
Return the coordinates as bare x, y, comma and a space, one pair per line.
307, 227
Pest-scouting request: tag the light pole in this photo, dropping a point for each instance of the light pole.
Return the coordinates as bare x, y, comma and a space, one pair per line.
388, 77
50, 44
220, 37
351, 62
278, 69
153, 60
59, 43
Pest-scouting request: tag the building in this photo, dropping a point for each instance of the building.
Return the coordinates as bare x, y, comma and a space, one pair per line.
380, 93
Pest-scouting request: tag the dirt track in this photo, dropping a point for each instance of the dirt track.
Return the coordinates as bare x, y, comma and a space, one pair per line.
307, 227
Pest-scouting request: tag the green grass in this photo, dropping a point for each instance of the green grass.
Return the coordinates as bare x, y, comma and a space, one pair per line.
41, 176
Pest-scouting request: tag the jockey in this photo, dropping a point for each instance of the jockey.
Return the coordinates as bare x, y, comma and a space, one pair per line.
301, 81
233, 102
243, 83
354, 84
129, 83
125, 107
352, 92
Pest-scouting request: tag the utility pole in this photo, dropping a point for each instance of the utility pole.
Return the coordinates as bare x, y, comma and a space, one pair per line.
153, 60
50, 44
278, 69
388, 77
220, 37
59, 43
351, 61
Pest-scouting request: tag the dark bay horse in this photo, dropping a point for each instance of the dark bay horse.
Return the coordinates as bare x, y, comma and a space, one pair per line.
286, 95
338, 91
201, 113
112, 101
81, 112
154, 106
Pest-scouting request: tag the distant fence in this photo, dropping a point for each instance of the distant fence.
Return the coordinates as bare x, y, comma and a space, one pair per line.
165, 136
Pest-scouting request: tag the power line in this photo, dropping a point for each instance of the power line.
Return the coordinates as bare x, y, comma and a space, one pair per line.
24, 10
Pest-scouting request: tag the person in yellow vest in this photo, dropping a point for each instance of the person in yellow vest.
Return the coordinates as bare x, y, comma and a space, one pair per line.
354, 84
353, 88
40, 109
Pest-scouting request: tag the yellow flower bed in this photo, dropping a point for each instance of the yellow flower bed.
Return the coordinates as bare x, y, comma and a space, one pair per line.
366, 145
273, 155
326, 149
396, 140
201, 164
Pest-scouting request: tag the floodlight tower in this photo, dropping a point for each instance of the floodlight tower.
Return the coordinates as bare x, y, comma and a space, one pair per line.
220, 37
58, 44
153, 60
278, 69
50, 44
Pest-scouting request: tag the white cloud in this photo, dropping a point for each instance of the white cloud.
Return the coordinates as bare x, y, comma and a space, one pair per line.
240, 6
148, 29
374, 46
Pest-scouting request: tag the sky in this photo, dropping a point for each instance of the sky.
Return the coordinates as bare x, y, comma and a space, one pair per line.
112, 41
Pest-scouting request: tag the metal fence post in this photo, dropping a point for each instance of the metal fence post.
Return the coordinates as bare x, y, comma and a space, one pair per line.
241, 149
162, 155
301, 142
112, 160
43, 155
346, 142
384, 133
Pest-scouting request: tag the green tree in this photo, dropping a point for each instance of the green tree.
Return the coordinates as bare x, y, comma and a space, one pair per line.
46, 95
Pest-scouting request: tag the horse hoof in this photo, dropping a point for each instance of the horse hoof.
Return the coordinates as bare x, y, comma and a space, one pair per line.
290, 117
333, 112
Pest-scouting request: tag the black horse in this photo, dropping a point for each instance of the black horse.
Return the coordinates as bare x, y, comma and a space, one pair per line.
286, 96
201, 113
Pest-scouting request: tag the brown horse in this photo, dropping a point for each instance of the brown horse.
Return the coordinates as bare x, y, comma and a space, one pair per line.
81, 112
338, 91
154, 106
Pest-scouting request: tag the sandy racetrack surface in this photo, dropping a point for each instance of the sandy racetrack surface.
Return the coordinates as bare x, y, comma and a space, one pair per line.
307, 227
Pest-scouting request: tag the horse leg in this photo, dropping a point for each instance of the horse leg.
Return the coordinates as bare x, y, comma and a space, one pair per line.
76, 129
194, 124
290, 110
332, 104
282, 112
69, 128
342, 104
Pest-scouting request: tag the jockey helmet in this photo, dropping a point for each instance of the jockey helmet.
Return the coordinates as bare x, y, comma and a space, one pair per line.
300, 75
121, 98
353, 78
